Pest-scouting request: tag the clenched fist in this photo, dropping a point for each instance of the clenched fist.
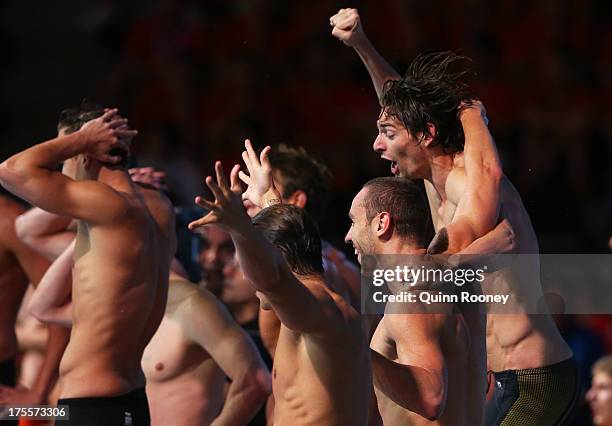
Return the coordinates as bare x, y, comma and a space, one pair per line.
347, 27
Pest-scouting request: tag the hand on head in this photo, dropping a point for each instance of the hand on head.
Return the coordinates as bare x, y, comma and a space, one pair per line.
261, 190
227, 210
347, 27
105, 133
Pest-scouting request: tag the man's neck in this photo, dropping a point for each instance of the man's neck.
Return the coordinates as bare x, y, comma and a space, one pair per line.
401, 246
440, 165
245, 312
116, 178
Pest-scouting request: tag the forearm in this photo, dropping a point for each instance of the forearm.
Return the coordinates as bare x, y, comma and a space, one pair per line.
47, 376
260, 261
50, 298
480, 152
244, 398
411, 387
44, 232
379, 69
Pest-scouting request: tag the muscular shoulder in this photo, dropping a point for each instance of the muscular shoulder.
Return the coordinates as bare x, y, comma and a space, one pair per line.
339, 314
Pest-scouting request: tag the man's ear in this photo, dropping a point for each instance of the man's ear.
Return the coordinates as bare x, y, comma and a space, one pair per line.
298, 199
429, 138
381, 225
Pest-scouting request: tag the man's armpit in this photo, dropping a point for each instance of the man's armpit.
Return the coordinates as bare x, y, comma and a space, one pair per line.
439, 244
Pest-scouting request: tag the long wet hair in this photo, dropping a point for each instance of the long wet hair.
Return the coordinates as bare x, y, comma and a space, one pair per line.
431, 91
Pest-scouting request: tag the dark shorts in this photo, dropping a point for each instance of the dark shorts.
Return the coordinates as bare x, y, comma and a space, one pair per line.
537, 396
130, 409
8, 377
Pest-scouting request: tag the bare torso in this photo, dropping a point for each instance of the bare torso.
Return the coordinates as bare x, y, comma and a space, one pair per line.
184, 384
516, 340
13, 280
323, 379
463, 346
119, 294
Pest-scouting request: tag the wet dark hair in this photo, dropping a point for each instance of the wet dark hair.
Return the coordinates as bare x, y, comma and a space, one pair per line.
404, 201
295, 234
431, 91
72, 119
301, 171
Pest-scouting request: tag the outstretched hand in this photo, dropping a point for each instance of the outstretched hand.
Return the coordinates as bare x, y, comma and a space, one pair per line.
261, 191
227, 210
107, 132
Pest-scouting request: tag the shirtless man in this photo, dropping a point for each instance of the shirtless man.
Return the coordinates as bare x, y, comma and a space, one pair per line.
518, 343
321, 372
122, 259
186, 362
429, 365
20, 265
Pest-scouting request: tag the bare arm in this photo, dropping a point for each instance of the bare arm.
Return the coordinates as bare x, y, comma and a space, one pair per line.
478, 206
418, 381
262, 263
207, 323
50, 302
44, 232
31, 174
347, 27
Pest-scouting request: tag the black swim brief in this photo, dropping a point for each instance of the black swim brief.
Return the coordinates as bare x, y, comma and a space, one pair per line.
130, 409
536, 396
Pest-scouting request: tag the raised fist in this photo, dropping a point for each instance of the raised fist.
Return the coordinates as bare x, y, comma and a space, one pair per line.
347, 27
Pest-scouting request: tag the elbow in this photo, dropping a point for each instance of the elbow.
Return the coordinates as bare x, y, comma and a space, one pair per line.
22, 228
434, 405
257, 386
494, 171
10, 173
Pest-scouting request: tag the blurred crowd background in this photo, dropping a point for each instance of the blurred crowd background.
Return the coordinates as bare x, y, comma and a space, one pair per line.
198, 77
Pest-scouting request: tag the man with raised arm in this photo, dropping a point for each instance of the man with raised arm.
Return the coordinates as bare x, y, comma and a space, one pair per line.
535, 373
195, 348
321, 372
122, 259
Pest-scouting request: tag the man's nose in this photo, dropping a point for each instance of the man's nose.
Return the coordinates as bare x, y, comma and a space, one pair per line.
379, 145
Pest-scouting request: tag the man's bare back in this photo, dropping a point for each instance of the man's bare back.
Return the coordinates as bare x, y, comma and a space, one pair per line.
323, 378
120, 280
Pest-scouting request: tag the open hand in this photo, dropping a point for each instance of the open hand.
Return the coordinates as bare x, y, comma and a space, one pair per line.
261, 191
227, 210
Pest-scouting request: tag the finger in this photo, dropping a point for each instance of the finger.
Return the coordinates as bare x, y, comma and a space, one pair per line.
251, 152
117, 122
221, 180
203, 221
121, 133
218, 194
234, 180
264, 157
204, 203
244, 177
109, 114
247, 162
